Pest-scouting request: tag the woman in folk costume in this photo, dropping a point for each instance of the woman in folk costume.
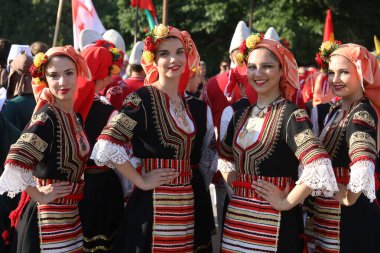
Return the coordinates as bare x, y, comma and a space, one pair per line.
101, 208
202, 155
156, 122
47, 161
351, 137
263, 148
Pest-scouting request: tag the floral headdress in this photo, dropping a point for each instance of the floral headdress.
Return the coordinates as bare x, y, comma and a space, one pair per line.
153, 38
38, 67
247, 46
117, 55
323, 56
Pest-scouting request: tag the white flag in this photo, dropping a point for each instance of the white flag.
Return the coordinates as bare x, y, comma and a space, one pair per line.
84, 16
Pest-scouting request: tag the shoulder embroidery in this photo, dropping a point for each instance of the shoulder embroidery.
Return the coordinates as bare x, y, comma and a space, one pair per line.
124, 120
41, 117
365, 117
362, 137
301, 115
132, 100
35, 141
303, 137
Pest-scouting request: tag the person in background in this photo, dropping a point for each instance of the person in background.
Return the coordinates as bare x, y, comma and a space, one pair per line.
224, 66
5, 47
38, 47
202, 156
102, 206
117, 94
20, 104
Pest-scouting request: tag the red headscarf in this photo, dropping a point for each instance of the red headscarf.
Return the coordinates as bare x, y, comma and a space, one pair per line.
99, 60
369, 73
190, 52
42, 93
289, 80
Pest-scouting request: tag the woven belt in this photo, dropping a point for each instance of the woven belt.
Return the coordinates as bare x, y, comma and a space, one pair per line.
242, 186
73, 198
181, 166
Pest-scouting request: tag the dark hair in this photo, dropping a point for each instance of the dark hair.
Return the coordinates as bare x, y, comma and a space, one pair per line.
5, 47
136, 68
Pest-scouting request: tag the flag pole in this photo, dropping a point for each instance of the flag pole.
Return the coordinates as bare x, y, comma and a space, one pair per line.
165, 11
136, 23
250, 13
59, 14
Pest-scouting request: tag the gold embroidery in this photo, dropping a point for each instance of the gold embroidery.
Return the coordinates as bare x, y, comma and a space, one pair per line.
301, 114
365, 117
303, 137
124, 120
42, 117
362, 137
35, 141
132, 98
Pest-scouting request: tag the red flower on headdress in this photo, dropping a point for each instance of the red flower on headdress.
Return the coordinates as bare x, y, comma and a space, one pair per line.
149, 44
104, 43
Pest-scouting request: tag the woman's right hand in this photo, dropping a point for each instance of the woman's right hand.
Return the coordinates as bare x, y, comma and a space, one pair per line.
158, 177
54, 191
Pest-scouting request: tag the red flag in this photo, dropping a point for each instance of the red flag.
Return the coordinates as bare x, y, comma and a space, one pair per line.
144, 4
84, 16
328, 34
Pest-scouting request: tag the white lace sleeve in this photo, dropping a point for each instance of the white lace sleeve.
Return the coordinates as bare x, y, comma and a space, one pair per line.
15, 179
362, 178
225, 166
319, 176
106, 153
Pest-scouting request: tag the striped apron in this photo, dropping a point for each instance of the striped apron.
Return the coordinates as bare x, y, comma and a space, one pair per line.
59, 224
173, 208
252, 224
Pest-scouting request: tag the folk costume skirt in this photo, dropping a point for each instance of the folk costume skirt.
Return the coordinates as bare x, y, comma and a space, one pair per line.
160, 220
53, 227
347, 229
253, 225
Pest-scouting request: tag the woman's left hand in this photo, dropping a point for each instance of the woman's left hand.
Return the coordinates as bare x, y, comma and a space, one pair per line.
272, 194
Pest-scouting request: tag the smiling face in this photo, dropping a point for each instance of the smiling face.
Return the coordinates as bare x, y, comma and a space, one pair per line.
264, 72
170, 58
344, 79
61, 76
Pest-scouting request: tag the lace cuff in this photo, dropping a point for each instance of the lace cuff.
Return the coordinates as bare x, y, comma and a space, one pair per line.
106, 153
319, 176
362, 178
225, 166
15, 179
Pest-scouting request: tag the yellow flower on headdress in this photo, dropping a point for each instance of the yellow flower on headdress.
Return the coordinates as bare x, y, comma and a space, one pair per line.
37, 81
252, 40
148, 56
115, 69
239, 59
38, 58
161, 31
326, 46
115, 50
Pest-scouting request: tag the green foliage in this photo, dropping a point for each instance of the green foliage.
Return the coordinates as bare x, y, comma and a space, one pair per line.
210, 22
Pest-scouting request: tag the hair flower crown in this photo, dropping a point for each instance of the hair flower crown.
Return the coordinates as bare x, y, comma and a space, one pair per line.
152, 39
247, 46
37, 69
325, 50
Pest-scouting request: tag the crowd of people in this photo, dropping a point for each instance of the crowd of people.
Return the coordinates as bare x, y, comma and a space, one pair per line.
104, 156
